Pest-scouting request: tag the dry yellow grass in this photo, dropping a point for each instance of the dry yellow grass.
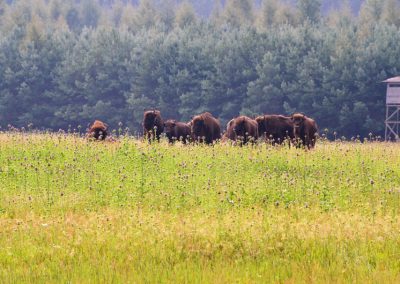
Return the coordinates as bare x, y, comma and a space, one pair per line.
84, 212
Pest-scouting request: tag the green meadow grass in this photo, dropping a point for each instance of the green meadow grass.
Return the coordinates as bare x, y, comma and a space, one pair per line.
75, 211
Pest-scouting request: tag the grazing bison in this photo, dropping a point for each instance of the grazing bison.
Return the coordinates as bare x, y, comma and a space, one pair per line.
98, 130
205, 128
276, 128
175, 130
305, 130
244, 129
153, 125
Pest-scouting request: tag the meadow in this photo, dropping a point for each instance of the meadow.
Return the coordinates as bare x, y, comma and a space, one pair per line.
75, 211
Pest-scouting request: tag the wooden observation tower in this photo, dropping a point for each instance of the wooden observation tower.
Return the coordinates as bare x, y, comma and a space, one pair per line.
392, 121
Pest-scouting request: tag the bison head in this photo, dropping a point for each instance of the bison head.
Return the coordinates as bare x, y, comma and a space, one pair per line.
98, 130
169, 127
240, 127
198, 127
298, 120
151, 119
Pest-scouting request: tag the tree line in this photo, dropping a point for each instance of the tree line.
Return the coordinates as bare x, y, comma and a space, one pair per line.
60, 68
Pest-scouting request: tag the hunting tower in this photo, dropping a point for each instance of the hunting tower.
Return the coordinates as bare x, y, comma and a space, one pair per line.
392, 120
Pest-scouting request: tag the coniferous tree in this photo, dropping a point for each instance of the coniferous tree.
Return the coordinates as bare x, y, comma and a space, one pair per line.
73, 20
267, 14
370, 14
96, 78
56, 9
216, 13
185, 15
90, 13
238, 12
146, 15
391, 12
342, 17
309, 10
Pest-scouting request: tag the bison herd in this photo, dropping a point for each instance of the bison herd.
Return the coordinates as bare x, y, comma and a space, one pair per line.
205, 128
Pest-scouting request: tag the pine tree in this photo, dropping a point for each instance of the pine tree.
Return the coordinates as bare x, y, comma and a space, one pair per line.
309, 10
146, 15
267, 14
370, 14
90, 13
73, 20
127, 21
265, 95
285, 15
342, 17
116, 13
56, 9
216, 13
391, 12
166, 10
238, 12
185, 15
35, 30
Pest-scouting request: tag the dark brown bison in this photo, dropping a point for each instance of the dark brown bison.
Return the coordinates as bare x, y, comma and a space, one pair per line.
229, 134
304, 130
98, 130
153, 125
276, 128
243, 129
175, 130
205, 128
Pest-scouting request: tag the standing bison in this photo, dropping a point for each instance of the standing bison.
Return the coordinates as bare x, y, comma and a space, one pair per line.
205, 128
276, 128
305, 130
98, 130
153, 125
242, 128
229, 134
175, 130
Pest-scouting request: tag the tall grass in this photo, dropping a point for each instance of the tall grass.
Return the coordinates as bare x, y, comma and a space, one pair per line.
80, 211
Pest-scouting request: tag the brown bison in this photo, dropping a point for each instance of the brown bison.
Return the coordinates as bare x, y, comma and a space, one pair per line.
242, 128
229, 134
205, 128
175, 130
98, 130
153, 125
276, 128
305, 130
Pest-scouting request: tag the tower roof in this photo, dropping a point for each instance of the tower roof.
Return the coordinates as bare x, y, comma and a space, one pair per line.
392, 80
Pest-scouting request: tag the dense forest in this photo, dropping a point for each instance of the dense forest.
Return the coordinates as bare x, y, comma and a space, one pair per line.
64, 63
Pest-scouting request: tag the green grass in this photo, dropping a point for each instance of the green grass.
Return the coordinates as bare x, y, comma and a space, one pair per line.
86, 212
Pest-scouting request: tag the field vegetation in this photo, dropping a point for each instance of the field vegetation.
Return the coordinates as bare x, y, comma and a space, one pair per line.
77, 211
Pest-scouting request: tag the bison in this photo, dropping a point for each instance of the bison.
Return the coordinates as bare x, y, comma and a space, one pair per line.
242, 128
175, 130
276, 128
205, 128
153, 125
98, 130
229, 134
304, 129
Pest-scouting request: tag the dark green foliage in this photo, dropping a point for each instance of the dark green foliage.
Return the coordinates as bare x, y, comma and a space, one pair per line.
71, 64
94, 78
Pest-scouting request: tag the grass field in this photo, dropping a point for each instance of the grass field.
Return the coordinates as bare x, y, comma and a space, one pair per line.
126, 212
